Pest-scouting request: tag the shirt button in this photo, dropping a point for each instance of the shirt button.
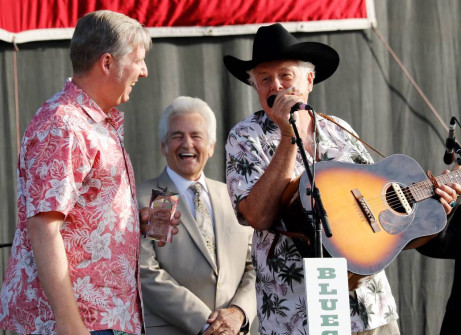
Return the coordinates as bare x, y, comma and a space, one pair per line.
219, 284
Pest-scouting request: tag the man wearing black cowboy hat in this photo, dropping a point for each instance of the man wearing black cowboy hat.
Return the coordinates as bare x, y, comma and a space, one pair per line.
261, 161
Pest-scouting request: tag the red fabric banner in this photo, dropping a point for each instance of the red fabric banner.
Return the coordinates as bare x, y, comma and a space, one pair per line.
24, 15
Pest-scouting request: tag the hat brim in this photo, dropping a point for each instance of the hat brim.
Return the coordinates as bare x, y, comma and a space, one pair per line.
324, 58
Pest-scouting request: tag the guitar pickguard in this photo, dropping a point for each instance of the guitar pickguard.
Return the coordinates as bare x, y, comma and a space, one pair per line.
393, 223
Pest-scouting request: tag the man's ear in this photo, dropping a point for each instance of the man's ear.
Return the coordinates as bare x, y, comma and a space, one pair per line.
164, 149
211, 150
106, 62
310, 80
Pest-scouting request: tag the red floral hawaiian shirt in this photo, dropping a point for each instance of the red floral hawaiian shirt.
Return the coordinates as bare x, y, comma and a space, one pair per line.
73, 161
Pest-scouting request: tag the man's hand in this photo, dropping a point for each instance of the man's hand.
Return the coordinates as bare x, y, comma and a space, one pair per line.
280, 111
448, 194
225, 321
144, 218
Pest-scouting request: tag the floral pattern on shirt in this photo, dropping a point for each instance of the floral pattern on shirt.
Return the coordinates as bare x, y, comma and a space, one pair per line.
72, 160
280, 280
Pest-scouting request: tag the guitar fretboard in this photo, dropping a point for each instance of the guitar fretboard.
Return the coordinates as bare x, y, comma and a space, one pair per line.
425, 189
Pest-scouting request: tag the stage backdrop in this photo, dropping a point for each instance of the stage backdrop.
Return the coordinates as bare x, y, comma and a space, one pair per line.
25, 21
369, 90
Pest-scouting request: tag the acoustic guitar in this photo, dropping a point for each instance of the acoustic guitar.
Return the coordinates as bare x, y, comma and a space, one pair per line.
377, 210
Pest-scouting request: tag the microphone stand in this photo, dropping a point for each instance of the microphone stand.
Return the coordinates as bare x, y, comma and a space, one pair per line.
318, 212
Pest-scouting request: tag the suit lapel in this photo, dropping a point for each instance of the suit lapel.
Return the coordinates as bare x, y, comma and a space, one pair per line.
187, 219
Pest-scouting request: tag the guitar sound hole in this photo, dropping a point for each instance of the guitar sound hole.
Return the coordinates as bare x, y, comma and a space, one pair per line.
394, 202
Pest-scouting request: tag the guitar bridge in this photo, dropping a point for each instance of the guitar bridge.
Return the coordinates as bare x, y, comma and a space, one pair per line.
365, 209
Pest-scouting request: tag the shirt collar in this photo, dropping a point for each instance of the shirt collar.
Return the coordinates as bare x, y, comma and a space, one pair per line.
182, 184
90, 106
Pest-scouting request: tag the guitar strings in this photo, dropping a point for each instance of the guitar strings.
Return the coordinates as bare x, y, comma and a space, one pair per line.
392, 200
424, 189
421, 190
412, 193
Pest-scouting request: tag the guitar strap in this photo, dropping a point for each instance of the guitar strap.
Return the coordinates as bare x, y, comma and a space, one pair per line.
350, 133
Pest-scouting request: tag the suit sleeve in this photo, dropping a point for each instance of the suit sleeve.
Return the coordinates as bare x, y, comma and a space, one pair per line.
169, 300
245, 294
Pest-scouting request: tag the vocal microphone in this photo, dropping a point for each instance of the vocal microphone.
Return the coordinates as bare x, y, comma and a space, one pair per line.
296, 107
449, 156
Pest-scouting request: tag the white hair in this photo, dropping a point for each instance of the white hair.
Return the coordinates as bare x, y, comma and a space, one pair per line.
307, 66
187, 105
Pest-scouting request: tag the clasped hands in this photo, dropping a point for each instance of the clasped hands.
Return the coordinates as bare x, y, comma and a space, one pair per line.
226, 321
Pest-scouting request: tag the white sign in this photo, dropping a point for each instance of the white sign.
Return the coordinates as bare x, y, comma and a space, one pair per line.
328, 310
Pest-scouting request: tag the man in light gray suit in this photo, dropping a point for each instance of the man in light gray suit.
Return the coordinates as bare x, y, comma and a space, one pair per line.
202, 283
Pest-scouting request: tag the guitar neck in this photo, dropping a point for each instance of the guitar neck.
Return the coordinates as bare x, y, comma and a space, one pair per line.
425, 189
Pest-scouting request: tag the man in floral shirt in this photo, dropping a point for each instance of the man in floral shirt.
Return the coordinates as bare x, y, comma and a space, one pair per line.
73, 265
261, 161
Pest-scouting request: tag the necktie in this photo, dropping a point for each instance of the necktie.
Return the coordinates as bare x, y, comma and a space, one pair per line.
202, 216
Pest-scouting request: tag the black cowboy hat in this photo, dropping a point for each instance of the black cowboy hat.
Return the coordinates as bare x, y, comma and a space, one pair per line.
274, 42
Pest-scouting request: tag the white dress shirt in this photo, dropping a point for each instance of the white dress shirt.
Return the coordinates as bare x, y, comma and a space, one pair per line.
187, 194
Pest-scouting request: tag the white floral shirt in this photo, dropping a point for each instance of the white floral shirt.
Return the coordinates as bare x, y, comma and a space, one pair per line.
73, 161
280, 280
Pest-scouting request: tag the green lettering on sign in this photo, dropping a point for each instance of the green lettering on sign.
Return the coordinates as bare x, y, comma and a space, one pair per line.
324, 289
329, 320
328, 304
326, 273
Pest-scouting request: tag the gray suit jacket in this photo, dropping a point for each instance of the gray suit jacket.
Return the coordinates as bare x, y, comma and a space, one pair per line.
181, 285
